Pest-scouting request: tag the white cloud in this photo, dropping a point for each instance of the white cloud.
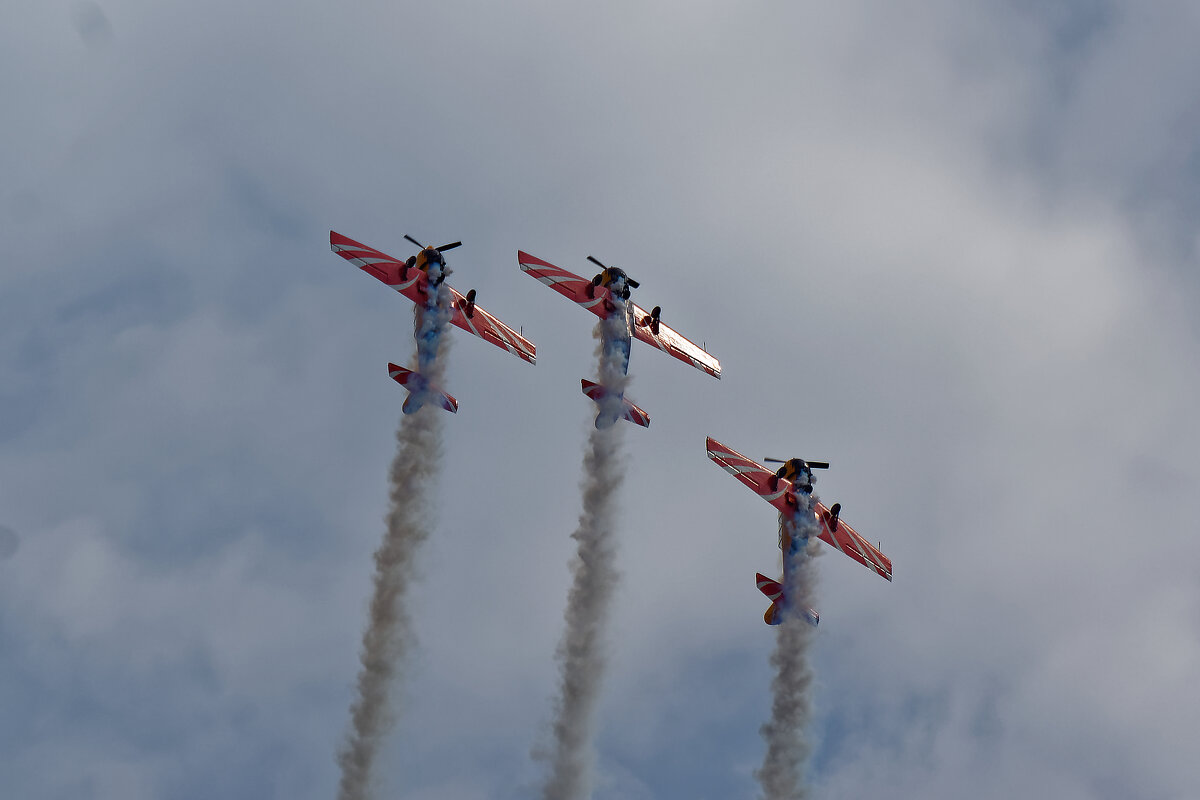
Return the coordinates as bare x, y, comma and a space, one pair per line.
921, 244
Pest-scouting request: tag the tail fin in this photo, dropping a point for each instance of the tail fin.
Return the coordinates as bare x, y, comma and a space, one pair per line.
629, 411
774, 615
420, 390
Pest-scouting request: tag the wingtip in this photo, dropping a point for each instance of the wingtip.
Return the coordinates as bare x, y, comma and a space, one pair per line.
528, 261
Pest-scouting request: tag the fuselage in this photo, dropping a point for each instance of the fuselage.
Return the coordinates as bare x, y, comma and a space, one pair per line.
616, 310
791, 548
431, 262
797, 472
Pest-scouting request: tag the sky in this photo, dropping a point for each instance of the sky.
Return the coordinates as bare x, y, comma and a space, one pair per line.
951, 250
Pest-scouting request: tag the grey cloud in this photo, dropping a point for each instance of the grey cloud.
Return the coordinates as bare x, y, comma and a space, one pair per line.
9, 542
91, 23
956, 268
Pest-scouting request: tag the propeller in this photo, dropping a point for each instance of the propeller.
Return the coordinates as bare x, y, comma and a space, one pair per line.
628, 280
441, 249
811, 464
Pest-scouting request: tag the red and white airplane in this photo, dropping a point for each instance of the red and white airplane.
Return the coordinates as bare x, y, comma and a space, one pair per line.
779, 488
607, 296
413, 278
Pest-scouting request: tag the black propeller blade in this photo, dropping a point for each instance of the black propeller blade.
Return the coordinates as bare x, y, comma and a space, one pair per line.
811, 464
441, 249
630, 282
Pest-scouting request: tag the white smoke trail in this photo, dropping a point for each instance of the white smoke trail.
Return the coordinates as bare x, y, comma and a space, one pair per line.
580, 653
389, 637
781, 773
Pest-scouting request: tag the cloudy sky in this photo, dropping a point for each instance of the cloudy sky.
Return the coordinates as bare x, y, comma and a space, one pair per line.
951, 250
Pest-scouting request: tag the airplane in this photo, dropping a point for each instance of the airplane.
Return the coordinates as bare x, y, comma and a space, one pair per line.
414, 278
780, 489
607, 296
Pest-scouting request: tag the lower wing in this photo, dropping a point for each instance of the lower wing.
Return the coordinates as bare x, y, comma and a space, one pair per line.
647, 328
473, 319
839, 535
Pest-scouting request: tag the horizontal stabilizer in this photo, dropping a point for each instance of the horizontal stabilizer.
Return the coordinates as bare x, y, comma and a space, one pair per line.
630, 412
774, 615
770, 588
420, 391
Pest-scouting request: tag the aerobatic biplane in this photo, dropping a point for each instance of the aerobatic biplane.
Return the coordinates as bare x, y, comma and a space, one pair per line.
780, 488
415, 278
607, 296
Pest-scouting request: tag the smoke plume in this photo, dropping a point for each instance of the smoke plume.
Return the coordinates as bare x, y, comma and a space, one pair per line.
781, 773
389, 637
580, 656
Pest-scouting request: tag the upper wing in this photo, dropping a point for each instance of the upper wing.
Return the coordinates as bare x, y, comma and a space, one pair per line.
669, 341
412, 285
751, 473
380, 265
568, 284
758, 478
490, 329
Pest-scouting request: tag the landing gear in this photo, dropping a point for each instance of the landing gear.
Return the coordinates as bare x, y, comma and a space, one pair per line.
833, 516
